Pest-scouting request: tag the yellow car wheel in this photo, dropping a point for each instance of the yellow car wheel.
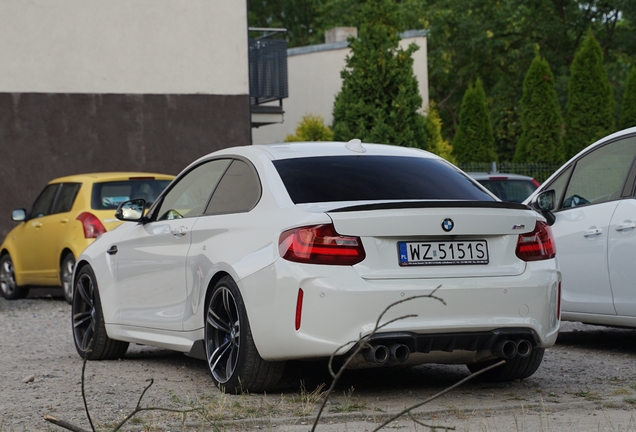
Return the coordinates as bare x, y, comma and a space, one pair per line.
8, 286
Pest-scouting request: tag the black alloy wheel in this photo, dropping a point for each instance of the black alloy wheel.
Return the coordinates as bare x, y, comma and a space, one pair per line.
232, 357
89, 330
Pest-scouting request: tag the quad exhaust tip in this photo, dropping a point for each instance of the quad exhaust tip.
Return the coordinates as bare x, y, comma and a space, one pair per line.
508, 349
399, 353
381, 354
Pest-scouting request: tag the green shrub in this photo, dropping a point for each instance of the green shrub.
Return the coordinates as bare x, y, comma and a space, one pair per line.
311, 128
436, 143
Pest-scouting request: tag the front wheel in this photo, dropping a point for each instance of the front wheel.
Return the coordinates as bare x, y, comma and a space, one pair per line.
89, 330
8, 286
232, 357
66, 276
515, 368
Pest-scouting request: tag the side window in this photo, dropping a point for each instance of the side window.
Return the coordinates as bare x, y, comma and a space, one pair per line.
42, 205
190, 196
238, 191
66, 197
600, 176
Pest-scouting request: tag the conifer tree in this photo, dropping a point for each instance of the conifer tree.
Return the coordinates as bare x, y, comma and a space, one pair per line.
541, 120
628, 107
379, 100
474, 141
590, 106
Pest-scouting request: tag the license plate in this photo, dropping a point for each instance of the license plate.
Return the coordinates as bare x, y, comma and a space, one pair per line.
443, 253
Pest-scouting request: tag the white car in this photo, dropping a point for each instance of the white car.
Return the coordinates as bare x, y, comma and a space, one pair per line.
260, 254
594, 217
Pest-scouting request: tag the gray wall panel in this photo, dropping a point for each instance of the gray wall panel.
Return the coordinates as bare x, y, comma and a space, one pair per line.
43, 136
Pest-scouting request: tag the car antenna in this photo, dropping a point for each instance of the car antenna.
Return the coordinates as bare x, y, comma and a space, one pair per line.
355, 145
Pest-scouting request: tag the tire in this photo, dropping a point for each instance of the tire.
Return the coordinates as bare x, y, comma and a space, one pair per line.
8, 286
89, 330
233, 360
66, 276
515, 368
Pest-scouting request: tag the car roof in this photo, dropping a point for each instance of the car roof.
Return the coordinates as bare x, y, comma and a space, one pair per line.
498, 176
323, 148
109, 176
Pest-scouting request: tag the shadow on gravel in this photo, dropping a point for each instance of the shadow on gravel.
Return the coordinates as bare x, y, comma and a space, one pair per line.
46, 293
600, 339
384, 381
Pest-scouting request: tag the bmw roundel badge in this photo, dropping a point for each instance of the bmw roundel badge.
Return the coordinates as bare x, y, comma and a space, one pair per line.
448, 224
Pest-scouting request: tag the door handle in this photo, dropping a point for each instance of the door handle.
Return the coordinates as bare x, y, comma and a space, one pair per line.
592, 232
63, 221
112, 250
626, 226
37, 224
179, 232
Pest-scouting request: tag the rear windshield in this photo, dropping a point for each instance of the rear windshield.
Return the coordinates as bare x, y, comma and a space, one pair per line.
108, 195
361, 178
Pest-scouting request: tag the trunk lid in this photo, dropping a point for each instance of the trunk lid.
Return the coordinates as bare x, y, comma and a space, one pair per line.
389, 230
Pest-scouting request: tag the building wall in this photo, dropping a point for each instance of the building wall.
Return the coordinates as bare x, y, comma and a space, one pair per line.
89, 85
314, 82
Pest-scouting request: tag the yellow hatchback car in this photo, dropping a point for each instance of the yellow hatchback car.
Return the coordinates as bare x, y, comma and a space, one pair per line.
68, 215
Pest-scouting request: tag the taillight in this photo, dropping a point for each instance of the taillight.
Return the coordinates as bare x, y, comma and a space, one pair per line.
93, 227
320, 244
537, 245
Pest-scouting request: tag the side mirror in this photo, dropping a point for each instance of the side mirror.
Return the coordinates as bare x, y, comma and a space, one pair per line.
18, 215
545, 202
131, 211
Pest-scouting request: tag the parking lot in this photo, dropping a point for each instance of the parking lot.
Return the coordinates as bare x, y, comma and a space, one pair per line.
586, 382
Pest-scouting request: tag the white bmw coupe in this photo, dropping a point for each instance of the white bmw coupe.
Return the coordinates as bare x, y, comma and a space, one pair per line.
260, 254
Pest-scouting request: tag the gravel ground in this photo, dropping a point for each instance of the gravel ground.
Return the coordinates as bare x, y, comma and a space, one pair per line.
587, 382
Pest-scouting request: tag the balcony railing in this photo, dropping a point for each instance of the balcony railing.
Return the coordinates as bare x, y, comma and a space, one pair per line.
268, 67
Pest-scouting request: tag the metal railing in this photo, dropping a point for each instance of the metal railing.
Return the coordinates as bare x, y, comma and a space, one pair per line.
539, 171
268, 67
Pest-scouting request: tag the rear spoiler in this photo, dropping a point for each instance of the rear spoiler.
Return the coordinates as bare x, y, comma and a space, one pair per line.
433, 204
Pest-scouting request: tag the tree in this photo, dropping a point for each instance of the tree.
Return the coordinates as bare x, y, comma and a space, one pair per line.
301, 19
541, 119
474, 141
497, 41
481, 38
311, 128
379, 100
590, 107
434, 140
628, 107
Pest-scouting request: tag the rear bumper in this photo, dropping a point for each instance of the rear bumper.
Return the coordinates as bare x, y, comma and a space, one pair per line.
339, 307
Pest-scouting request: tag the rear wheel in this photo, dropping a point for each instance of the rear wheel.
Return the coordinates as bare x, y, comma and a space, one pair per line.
232, 357
89, 330
515, 368
8, 286
66, 276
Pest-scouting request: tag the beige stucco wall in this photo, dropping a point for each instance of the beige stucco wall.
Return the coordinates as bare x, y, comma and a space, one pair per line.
124, 46
314, 81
